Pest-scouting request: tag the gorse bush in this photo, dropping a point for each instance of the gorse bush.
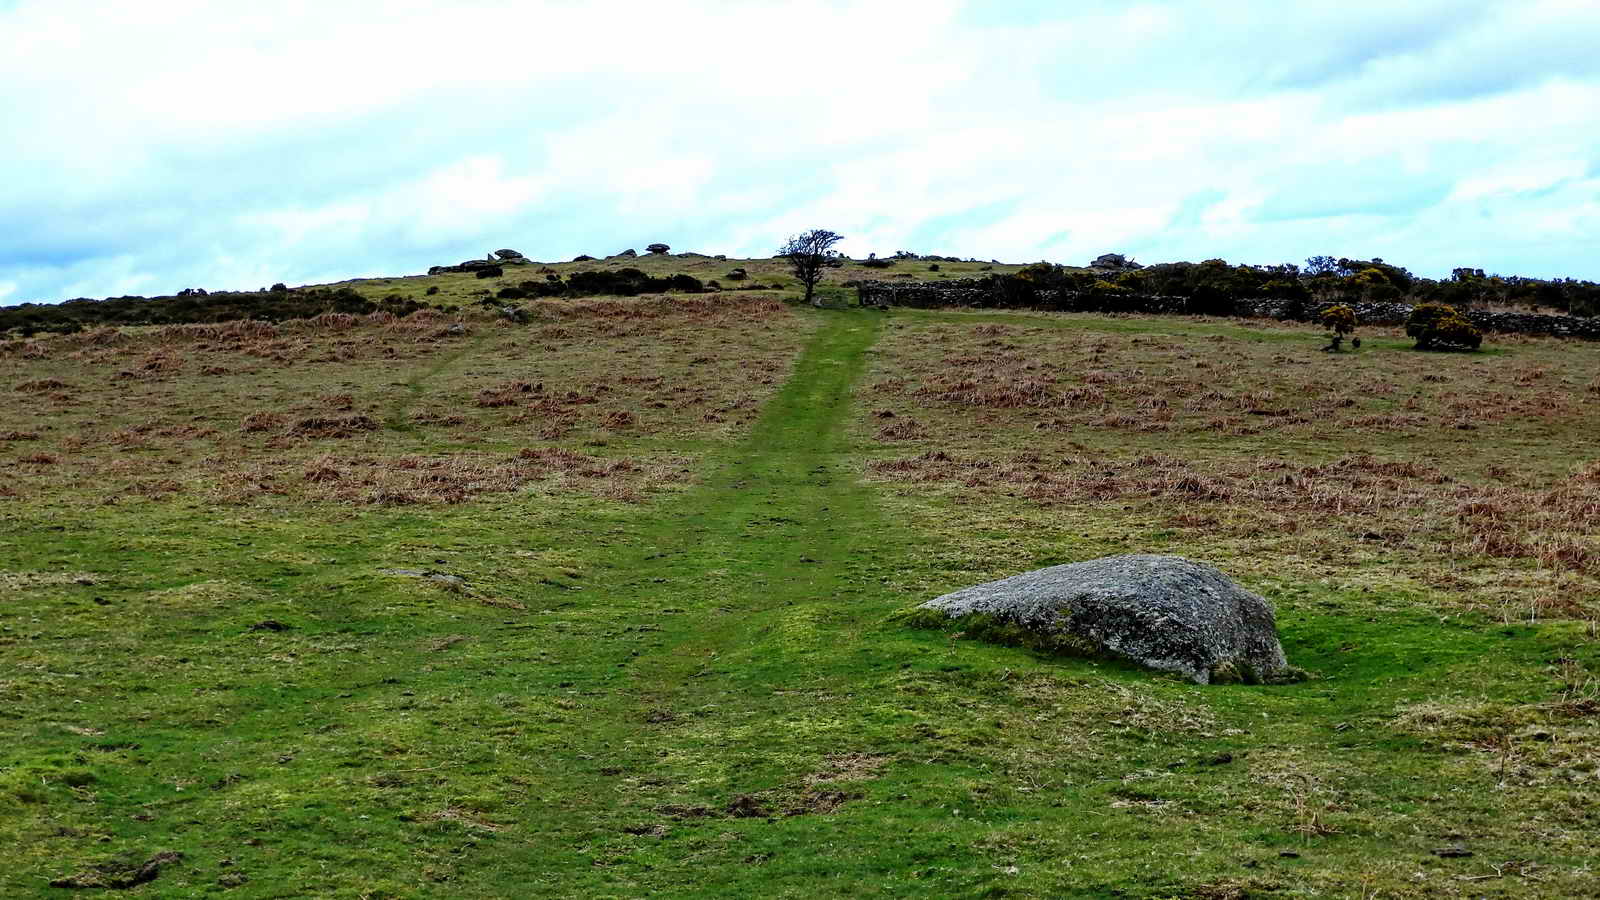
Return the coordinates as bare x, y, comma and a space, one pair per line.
1423, 318
1436, 326
1134, 280
1341, 322
194, 306
1042, 274
1454, 331
1215, 287
1103, 288
628, 282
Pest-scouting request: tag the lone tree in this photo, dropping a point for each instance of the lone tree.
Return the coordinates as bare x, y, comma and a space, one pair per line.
808, 255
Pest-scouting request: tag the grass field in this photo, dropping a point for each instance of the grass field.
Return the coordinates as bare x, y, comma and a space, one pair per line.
668, 661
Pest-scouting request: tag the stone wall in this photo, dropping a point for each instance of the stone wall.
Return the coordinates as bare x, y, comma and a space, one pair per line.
986, 293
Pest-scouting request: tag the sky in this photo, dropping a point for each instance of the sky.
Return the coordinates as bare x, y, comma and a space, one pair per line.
153, 146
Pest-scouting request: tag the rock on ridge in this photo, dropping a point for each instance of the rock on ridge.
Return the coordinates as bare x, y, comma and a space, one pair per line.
1164, 612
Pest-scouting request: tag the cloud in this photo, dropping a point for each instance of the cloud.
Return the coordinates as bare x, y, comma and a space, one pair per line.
179, 143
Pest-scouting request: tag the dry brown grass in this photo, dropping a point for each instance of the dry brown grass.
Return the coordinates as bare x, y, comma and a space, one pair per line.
354, 409
1458, 474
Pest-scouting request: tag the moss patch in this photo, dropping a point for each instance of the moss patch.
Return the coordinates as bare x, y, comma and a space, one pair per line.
1000, 630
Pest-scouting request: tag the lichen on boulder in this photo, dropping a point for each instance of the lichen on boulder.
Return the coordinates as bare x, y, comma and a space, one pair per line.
1162, 612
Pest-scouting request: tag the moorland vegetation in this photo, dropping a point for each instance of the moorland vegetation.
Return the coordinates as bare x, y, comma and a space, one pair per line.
1212, 287
1215, 287
609, 600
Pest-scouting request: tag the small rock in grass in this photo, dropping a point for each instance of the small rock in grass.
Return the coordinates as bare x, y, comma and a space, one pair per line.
119, 875
452, 582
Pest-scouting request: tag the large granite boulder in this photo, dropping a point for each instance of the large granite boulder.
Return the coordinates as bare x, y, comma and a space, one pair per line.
1114, 261
1163, 612
470, 265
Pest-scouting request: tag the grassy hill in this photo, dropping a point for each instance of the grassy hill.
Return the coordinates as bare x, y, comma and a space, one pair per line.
603, 604
450, 291
465, 287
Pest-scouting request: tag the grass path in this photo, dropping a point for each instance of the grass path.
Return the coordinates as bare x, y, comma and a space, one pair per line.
412, 388
780, 513
753, 561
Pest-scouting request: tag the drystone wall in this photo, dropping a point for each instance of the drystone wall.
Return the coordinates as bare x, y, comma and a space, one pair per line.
979, 293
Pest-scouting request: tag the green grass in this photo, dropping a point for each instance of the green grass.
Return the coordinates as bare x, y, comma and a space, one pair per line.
701, 685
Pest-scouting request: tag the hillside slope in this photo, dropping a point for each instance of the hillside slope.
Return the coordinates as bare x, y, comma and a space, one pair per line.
604, 604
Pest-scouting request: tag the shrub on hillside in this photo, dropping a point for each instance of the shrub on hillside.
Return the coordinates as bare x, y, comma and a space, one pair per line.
628, 282
1455, 331
215, 306
1373, 283
1339, 319
1134, 280
1436, 326
1040, 273
1340, 322
394, 304
1289, 288
1212, 287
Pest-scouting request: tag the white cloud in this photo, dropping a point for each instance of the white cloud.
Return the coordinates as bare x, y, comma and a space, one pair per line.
1519, 179
160, 145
